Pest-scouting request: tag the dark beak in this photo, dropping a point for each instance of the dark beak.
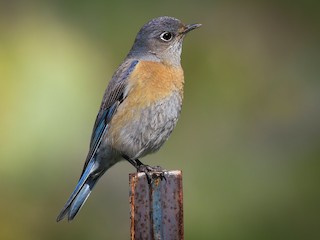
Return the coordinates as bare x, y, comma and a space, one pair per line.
191, 27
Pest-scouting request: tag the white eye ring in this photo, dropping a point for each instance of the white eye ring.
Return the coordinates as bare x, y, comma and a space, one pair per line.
166, 36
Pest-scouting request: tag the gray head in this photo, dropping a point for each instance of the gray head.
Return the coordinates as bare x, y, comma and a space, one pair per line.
161, 40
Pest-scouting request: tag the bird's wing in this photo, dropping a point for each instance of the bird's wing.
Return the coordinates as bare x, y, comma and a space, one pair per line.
113, 97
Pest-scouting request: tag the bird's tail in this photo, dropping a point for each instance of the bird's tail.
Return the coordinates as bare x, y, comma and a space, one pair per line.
81, 192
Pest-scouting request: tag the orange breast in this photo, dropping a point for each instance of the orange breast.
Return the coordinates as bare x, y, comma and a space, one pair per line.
149, 83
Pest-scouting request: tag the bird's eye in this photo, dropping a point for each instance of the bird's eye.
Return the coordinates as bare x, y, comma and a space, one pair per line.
166, 36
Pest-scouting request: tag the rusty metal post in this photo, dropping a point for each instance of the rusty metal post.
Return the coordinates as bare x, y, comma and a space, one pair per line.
156, 209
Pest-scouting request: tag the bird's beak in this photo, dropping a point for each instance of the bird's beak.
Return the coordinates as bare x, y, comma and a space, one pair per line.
191, 27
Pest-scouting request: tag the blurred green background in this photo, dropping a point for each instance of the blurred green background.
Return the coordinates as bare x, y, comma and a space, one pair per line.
248, 141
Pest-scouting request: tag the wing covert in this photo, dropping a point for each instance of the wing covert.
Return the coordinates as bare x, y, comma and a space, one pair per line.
113, 97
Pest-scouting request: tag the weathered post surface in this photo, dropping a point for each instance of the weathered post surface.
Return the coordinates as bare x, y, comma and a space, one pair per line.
156, 208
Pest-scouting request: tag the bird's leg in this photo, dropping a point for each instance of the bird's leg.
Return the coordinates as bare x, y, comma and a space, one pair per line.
151, 172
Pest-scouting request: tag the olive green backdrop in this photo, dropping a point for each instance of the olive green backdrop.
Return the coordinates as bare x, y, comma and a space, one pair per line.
248, 140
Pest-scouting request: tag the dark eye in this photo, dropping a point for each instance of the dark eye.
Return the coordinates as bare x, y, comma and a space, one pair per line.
166, 36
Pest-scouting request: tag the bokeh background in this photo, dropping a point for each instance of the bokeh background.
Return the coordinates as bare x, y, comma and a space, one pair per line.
248, 141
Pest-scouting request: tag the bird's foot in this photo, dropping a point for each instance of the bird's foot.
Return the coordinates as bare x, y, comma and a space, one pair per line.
152, 173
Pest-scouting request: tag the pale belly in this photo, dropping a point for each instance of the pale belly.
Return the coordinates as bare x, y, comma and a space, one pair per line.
145, 130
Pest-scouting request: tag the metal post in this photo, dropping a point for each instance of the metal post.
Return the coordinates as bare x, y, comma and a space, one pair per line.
156, 209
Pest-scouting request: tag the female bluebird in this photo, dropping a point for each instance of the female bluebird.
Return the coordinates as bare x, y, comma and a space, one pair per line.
140, 107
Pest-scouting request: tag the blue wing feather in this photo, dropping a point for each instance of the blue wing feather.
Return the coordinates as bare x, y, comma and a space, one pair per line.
101, 128
113, 97
91, 173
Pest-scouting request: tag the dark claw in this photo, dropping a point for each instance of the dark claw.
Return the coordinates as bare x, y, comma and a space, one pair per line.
152, 173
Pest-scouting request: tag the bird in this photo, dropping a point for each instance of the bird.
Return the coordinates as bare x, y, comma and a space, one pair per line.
139, 109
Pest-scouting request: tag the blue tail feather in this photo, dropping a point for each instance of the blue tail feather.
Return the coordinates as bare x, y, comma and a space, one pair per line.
80, 193
81, 198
